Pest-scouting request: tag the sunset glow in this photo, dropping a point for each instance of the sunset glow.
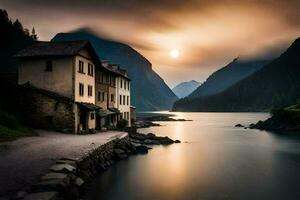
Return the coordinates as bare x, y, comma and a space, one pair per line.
174, 53
211, 33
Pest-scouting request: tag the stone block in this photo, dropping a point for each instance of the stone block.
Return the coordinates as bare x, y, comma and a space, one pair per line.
53, 175
42, 196
63, 168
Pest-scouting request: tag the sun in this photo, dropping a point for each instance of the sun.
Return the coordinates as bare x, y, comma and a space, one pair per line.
174, 53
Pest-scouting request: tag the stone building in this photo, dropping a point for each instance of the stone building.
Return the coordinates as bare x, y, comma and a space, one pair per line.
112, 78
122, 92
61, 76
65, 86
105, 97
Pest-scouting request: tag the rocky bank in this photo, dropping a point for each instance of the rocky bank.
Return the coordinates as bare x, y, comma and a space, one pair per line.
69, 178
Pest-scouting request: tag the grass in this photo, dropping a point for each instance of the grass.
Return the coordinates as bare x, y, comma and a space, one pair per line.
11, 128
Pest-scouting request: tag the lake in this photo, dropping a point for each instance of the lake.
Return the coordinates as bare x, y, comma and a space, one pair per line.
214, 161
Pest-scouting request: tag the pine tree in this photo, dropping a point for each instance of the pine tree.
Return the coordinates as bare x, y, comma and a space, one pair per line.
33, 34
4, 15
18, 25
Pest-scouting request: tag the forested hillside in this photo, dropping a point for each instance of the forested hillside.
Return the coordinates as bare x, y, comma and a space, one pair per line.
275, 85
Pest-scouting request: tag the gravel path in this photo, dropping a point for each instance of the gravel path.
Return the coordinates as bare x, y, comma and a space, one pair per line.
23, 161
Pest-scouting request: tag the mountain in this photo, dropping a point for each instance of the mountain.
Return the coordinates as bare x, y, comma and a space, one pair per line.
13, 38
148, 89
275, 85
227, 76
185, 88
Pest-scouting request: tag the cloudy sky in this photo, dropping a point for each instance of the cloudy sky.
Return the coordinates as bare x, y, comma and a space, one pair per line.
206, 34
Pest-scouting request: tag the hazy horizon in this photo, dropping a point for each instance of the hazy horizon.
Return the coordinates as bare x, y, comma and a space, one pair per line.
184, 40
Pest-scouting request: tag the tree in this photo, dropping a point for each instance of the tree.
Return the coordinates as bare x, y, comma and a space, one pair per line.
33, 34
4, 15
18, 25
26, 31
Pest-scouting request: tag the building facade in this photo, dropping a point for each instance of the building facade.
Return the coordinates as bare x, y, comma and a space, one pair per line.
67, 69
123, 94
97, 93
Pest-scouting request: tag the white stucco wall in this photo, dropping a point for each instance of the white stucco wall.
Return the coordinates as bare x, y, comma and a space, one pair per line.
85, 79
124, 92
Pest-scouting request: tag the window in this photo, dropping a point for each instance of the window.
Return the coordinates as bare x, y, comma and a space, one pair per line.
90, 90
121, 83
113, 84
48, 66
90, 69
103, 96
124, 102
92, 116
81, 67
112, 98
125, 84
127, 100
99, 96
81, 89
120, 99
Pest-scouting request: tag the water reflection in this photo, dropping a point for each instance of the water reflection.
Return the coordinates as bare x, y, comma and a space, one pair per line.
218, 162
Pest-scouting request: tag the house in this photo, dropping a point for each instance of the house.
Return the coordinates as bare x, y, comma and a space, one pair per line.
64, 86
118, 105
106, 97
66, 69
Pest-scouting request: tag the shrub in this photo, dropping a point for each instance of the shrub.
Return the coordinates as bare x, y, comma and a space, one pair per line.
122, 124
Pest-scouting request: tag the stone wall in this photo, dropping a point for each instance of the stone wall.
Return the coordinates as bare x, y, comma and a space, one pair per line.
42, 111
69, 177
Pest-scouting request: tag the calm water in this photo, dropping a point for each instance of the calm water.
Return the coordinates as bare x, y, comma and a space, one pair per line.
217, 161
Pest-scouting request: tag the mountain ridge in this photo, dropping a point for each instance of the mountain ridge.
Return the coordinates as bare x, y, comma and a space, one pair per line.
183, 89
277, 84
227, 76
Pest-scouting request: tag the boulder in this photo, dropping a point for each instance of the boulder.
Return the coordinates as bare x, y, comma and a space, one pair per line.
165, 140
151, 142
120, 153
42, 196
79, 182
142, 149
54, 175
239, 125
62, 168
150, 135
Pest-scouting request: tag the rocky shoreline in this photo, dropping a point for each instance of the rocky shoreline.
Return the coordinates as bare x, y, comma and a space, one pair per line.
150, 119
277, 123
69, 178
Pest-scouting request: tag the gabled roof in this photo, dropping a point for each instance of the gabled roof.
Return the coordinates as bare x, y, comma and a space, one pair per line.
42, 49
118, 72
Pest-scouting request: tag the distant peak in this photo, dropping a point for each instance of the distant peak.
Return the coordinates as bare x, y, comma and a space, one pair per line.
86, 30
236, 59
296, 43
